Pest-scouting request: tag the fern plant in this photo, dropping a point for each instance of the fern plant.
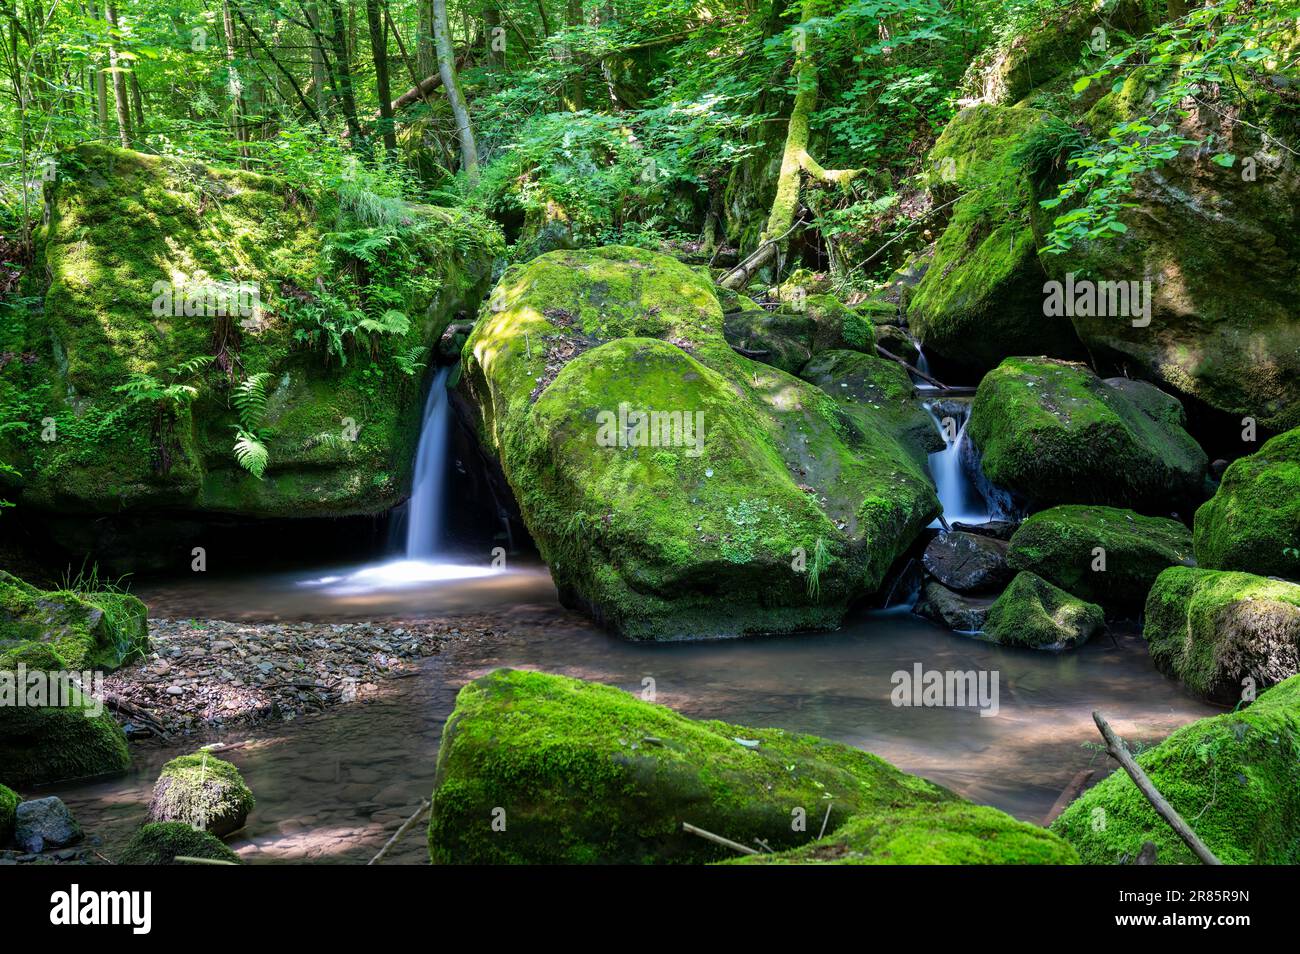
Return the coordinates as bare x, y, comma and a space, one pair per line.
250, 399
167, 397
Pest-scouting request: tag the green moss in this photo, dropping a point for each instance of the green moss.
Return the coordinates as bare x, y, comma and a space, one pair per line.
706, 546
1214, 630
1252, 522
203, 791
88, 631
981, 299
1034, 614
54, 743
8, 808
585, 773
1060, 545
1052, 432
160, 842
837, 327
1231, 777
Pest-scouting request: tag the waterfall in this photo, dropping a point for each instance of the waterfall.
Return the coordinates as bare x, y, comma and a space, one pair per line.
922, 365
424, 513
958, 496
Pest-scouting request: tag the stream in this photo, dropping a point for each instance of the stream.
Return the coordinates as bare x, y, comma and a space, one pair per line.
333, 786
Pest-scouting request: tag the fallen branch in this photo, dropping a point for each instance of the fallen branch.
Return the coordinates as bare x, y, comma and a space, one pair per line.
910, 367
758, 354
718, 839
1068, 794
136, 713
406, 825
741, 274
1120, 753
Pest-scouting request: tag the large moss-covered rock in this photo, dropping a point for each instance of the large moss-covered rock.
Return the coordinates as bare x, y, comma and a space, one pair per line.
764, 507
53, 743
1232, 778
88, 631
202, 791
1252, 522
981, 298
1101, 554
122, 226
1052, 432
8, 807
1214, 630
159, 843
1034, 614
536, 768
1219, 246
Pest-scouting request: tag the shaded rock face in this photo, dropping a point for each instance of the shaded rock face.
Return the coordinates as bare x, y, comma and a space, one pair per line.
1034, 614
1224, 635
1252, 522
1052, 432
967, 562
202, 791
125, 228
158, 843
99, 631
1220, 248
42, 823
1233, 773
957, 611
1101, 554
577, 772
674, 488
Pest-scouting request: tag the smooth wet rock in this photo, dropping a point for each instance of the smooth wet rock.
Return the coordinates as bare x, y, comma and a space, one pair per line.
967, 562
42, 823
1034, 614
1224, 635
957, 611
998, 529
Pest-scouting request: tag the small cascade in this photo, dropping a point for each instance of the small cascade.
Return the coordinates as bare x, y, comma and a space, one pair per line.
958, 495
424, 513
922, 365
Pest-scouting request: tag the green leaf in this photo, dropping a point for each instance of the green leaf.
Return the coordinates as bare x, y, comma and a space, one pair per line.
1225, 159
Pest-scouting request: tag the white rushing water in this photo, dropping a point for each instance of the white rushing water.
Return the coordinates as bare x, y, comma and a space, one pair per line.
424, 514
960, 499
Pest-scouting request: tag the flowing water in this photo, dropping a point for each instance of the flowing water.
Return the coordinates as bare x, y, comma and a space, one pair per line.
333, 786
960, 500
424, 512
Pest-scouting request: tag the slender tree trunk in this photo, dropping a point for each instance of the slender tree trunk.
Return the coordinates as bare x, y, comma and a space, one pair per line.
426, 61
577, 92
137, 100
491, 24
450, 82
379, 49
317, 58
343, 71
119, 85
236, 83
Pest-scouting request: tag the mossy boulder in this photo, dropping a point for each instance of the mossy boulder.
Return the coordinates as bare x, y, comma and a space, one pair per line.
88, 631
41, 743
1062, 544
1034, 614
1052, 432
782, 339
159, 843
203, 791
124, 227
8, 807
1232, 777
1252, 522
836, 326
981, 298
536, 768
1219, 246
675, 488
1222, 633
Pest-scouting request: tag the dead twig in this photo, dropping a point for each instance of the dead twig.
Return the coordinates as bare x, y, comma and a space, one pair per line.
406, 825
718, 839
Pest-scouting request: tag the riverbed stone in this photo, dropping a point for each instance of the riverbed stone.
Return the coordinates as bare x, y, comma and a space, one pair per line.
42, 823
773, 518
1052, 432
1231, 776
158, 843
967, 562
1061, 545
958, 611
538, 768
204, 791
1223, 634
1252, 523
1034, 614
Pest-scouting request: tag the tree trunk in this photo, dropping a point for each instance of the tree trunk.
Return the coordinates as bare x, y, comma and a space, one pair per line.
343, 71
137, 100
577, 92
236, 83
317, 58
379, 49
120, 100
447, 69
426, 61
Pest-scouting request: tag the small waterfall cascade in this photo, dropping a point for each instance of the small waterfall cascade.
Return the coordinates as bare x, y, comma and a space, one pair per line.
958, 495
425, 511
922, 365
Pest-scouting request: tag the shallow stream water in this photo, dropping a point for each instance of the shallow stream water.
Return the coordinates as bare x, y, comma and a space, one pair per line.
332, 787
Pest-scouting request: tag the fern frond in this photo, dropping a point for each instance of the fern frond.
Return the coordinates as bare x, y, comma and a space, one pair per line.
249, 398
251, 453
